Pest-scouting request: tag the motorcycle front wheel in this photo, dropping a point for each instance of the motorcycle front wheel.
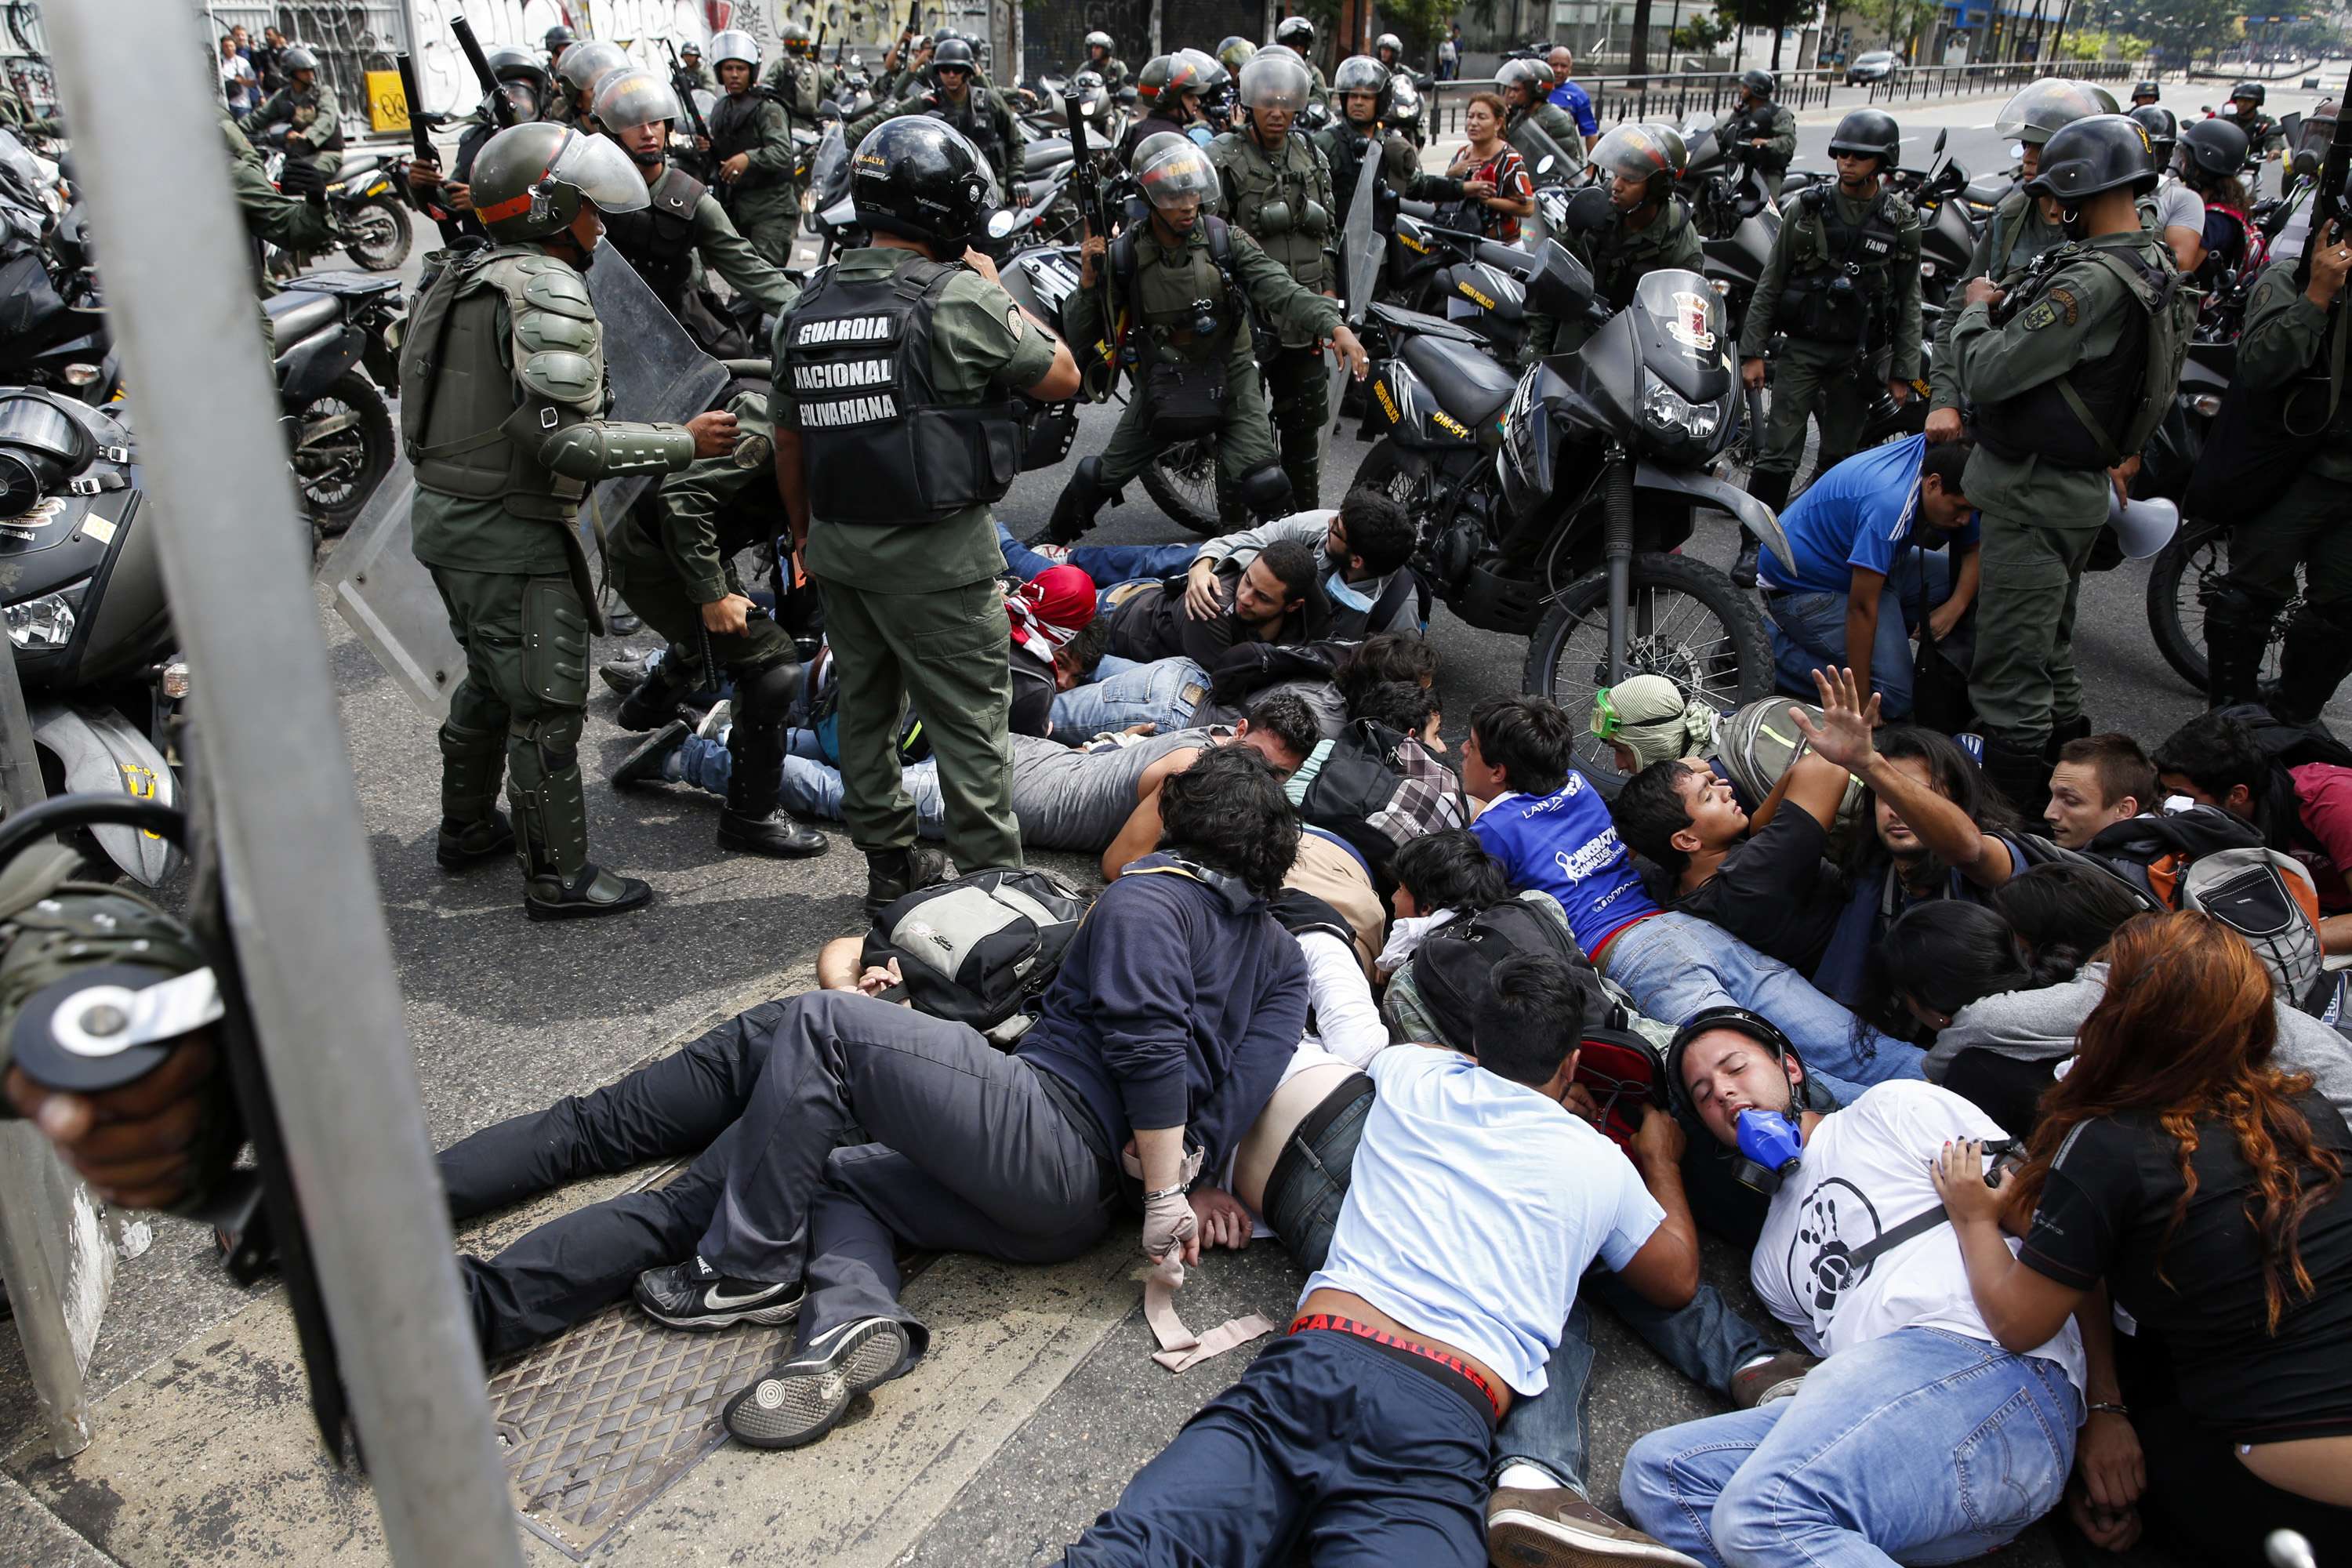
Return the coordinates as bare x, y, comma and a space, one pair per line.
342, 450
2199, 555
384, 234
1685, 621
1184, 480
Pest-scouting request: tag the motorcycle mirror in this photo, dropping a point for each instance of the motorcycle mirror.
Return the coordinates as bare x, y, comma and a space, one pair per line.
1544, 167
2306, 164
1589, 210
1940, 135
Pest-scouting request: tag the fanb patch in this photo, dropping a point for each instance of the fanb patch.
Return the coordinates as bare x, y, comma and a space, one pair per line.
2039, 315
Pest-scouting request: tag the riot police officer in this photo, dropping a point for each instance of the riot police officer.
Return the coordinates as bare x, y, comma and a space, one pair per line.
895, 434
2017, 230
1102, 61
1296, 33
2068, 370
2262, 134
1362, 84
752, 152
1649, 228
1759, 130
585, 66
2143, 92
683, 219
314, 126
504, 371
692, 74
1842, 284
960, 99
2180, 208
524, 83
1194, 279
270, 217
1540, 129
793, 78
1233, 51
1159, 94
672, 561
1389, 50
558, 38
1277, 188
2292, 347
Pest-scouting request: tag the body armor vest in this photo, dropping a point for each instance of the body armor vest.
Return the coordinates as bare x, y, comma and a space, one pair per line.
1846, 296
307, 117
659, 238
1171, 304
979, 127
1623, 256
2018, 237
2080, 419
881, 447
458, 423
735, 127
1275, 205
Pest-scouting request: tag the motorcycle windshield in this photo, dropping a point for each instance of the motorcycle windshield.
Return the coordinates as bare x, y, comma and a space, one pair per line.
1680, 328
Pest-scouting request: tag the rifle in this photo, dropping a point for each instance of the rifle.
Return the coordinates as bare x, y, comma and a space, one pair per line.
682, 85
429, 204
502, 112
2327, 201
1086, 188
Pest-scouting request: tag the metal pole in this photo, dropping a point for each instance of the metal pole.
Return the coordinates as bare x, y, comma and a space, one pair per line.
308, 925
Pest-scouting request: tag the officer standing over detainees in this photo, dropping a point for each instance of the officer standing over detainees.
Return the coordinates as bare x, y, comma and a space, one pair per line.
1361, 85
1277, 188
1842, 284
895, 433
504, 422
752, 152
1191, 278
2068, 371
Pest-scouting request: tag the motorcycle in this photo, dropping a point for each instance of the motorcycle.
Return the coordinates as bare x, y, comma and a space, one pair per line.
1553, 505
88, 624
53, 329
364, 197
330, 333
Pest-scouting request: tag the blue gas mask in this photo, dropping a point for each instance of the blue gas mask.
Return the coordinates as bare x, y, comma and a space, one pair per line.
1770, 1148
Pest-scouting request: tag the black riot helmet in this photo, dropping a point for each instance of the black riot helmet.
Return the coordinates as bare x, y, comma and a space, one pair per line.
2163, 128
2248, 92
558, 39
954, 54
920, 178
2098, 153
1758, 82
1388, 49
1361, 73
1296, 31
297, 58
1099, 40
518, 70
2216, 149
1868, 133
2145, 88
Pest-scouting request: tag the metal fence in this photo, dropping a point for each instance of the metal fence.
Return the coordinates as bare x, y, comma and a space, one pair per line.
1947, 81
351, 39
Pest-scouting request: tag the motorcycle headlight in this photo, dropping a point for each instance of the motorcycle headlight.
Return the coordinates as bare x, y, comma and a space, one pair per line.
48, 621
1002, 222
1666, 409
2202, 404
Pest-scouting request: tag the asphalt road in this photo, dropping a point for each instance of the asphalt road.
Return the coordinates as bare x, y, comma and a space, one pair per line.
506, 1015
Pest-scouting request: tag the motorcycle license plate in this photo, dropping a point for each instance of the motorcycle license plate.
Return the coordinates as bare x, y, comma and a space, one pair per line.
379, 187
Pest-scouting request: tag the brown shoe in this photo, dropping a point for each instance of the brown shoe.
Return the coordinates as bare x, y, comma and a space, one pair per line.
1553, 1527
1775, 1377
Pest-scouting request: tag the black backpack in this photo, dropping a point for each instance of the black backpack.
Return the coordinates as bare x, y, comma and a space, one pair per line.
974, 951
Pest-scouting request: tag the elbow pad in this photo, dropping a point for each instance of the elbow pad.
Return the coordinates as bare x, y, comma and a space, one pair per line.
608, 448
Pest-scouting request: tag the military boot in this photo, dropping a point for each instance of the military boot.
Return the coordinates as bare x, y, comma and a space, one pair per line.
2237, 631
892, 874
659, 695
1081, 498
550, 817
1772, 490
473, 828
2313, 658
755, 822
2013, 763
2062, 731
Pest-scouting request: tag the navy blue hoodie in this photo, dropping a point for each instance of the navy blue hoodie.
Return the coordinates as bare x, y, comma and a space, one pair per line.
1179, 1004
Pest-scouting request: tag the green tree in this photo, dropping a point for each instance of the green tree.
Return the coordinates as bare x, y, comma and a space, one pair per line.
1777, 15
1698, 35
2187, 28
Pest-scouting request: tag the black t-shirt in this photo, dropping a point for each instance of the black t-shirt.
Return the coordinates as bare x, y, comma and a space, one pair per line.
1150, 625
1775, 891
2104, 1214
1033, 696
1874, 899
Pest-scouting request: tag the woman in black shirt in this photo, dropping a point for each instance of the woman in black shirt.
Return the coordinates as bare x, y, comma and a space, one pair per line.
2177, 1165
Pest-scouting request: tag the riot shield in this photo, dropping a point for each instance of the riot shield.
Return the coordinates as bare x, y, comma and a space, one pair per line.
386, 596
1360, 251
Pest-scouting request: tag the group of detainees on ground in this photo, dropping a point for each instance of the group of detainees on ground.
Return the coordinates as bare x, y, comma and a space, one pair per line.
2032, 1123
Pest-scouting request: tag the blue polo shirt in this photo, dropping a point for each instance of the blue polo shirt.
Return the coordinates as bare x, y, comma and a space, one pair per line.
1579, 104
1864, 512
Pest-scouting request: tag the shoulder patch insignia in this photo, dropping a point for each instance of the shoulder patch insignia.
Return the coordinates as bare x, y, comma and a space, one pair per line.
1015, 322
2063, 299
2039, 315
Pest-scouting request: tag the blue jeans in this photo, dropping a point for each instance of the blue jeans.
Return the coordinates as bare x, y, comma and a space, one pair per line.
1924, 1447
1328, 1446
1808, 631
1106, 564
1678, 965
1163, 692
812, 786
1706, 1341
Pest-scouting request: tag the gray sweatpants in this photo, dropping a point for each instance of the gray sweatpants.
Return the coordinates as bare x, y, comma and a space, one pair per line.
968, 1153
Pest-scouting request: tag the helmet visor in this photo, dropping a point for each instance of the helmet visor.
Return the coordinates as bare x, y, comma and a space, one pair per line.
734, 44
1636, 152
1360, 73
1274, 83
2041, 107
1175, 172
585, 65
633, 97
601, 172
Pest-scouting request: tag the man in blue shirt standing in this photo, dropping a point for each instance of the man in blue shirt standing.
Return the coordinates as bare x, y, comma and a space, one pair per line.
1864, 535
1569, 97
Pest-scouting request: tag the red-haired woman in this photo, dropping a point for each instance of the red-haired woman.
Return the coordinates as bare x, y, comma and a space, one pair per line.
2177, 1166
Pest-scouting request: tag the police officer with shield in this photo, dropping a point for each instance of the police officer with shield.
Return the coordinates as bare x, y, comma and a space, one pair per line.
1361, 85
1649, 228
1842, 284
2068, 369
1277, 188
1187, 281
895, 434
752, 152
1538, 128
1761, 131
504, 422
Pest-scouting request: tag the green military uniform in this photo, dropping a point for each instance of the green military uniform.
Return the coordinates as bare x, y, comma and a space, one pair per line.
1113, 71
2011, 239
1736, 128
795, 83
1168, 282
2082, 332
1284, 201
17, 118
696, 77
1319, 91
1620, 256
913, 611
2286, 339
684, 223
314, 122
284, 221
504, 370
763, 201
1839, 347
983, 117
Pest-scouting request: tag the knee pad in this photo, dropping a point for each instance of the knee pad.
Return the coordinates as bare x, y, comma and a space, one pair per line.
1265, 491
763, 696
552, 743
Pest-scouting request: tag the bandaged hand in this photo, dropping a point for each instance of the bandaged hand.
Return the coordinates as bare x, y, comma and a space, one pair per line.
1170, 1225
